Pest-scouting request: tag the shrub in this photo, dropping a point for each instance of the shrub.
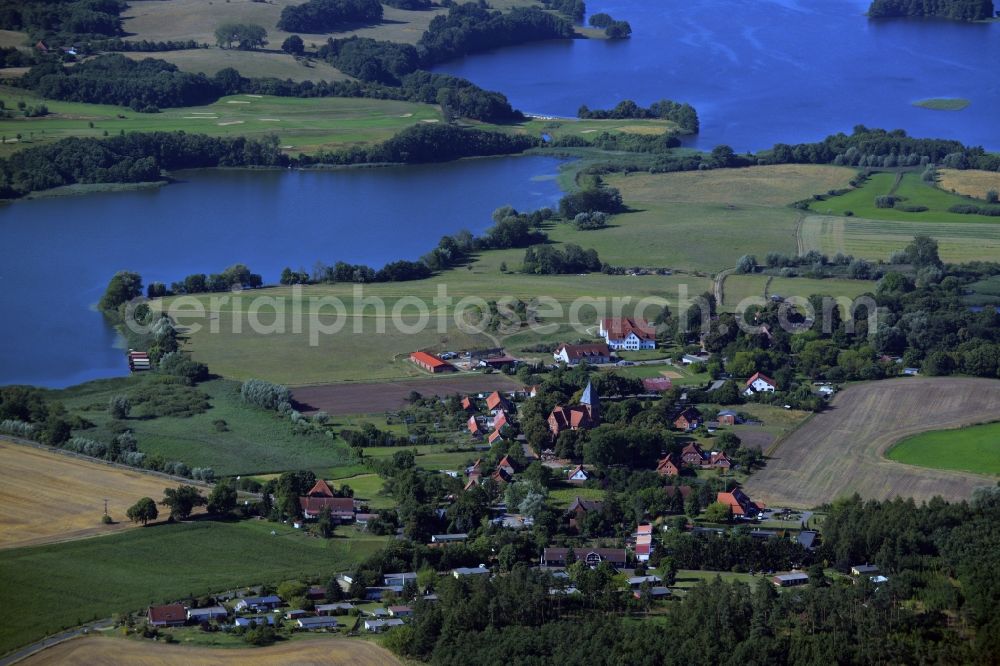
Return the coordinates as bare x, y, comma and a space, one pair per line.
266, 395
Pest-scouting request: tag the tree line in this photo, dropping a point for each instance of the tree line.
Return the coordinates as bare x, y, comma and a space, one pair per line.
959, 10
681, 113
63, 21
319, 16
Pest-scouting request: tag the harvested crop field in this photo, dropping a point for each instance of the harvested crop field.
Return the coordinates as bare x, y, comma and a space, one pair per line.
842, 450
376, 397
47, 497
112, 651
970, 182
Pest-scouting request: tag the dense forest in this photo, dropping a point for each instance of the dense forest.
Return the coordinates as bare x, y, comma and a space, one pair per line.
319, 16
681, 113
63, 20
959, 10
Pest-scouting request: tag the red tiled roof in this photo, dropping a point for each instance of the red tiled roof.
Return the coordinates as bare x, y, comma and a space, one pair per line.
466, 403
761, 375
339, 506
643, 548
423, 358
619, 329
494, 400
738, 501
168, 613
583, 352
500, 420
474, 426
321, 489
494, 436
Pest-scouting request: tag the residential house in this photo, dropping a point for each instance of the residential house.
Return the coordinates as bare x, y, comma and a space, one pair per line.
584, 416
532, 391
321, 497
170, 615
594, 354
295, 614
688, 419
399, 579
200, 615
692, 455
431, 363
258, 604
400, 611
501, 476
790, 579
717, 460
635, 582
657, 384
494, 437
628, 334
759, 383
580, 508
864, 570
500, 420
496, 402
556, 557
474, 428
319, 622
334, 609
727, 417
507, 465
655, 592
742, 506
578, 475
807, 539
254, 620
381, 625
467, 404
667, 466
449, 538
461, 572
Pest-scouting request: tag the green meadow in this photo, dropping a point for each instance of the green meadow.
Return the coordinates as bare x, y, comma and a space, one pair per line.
910, 191
972, 449
253, 440
301, 125
50, 588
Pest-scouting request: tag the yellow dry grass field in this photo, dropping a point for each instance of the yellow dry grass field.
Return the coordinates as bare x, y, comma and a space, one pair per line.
94, 651
777, 185
841, 451
971, 183
10, 38
47, 497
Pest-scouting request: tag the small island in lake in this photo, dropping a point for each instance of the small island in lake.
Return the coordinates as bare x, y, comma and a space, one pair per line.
958, 10
943, 103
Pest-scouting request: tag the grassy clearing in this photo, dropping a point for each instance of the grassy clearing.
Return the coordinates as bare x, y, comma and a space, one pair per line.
49, 588
252, 64
301, 125
842, 450
48, 497
805, 287
738, 288
680, 375
303, 650
877, 239
971, 449
969, 183
360, 352
562, 497
254, 441
911, 190
984, 292
943, 103
431, 457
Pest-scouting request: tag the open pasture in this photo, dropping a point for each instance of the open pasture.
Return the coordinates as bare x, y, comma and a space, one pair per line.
877, 239
47, 497
48, 588
971, 449
103, 651
842, 450
301, 125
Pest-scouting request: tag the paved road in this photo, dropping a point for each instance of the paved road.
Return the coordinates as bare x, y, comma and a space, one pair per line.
29, 650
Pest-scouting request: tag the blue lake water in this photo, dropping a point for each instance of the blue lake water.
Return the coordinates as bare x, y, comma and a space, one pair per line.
56, 255
758, 71
764, 71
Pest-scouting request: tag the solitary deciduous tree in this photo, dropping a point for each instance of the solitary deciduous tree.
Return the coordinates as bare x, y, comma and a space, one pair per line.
182, 501
143, 511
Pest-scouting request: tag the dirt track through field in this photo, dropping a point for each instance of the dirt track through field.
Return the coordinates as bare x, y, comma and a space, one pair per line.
842, 450
113, 651
376, 397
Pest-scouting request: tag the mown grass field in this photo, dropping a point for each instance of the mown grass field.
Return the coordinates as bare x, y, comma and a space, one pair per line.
911, 190
105, 651
49, 588
705, 221
359, 352
254, 440
271, 63
301, 125
972, 240
971, 449
48, 497
970, 182
842, 450
565, 495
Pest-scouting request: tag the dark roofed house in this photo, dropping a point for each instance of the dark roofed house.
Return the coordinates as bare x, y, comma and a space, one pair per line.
341, 508
556, 557
667, 466
727, 417
692, 455
687, 419
790, 579
170, 615
718, 460
581, 417
581, 507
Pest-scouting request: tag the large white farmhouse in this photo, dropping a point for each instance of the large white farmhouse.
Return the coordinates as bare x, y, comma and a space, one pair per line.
628, 334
